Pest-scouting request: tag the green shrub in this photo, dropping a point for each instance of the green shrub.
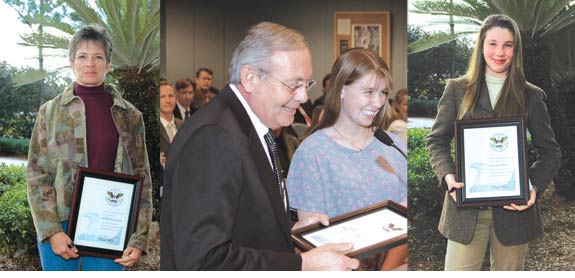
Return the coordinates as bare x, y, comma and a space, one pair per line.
425, 195
17, 234
14, 146
422, 107
11, 175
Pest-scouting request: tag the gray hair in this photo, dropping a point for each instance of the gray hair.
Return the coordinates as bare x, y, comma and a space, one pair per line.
94, 33
262, 40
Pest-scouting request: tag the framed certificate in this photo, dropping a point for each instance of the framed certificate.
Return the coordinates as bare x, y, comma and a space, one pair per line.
104, 212
491, 161
372, 230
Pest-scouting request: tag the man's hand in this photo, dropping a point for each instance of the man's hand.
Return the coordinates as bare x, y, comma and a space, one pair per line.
130, 257
531, 202
308, 218
62, 246
329, 257
452, 185
163, 159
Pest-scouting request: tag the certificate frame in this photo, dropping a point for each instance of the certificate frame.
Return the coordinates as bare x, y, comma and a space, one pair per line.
497, 145
114, 199
396, 237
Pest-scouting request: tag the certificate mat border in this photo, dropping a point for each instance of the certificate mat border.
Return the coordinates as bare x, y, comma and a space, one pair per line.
523, 196
305, 245
133, 215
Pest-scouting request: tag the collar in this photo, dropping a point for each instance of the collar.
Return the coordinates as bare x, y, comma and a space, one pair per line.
166, 122
261, 129
68, 95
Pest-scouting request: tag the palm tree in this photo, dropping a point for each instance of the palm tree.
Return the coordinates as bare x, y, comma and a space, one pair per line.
548, 31
134, 26
39, 15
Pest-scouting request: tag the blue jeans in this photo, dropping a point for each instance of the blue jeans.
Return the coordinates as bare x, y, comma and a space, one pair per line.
50, 261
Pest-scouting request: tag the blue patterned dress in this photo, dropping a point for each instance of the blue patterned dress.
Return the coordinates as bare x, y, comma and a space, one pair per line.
328, 178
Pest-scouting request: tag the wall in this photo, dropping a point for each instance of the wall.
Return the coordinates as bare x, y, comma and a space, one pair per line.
205, 33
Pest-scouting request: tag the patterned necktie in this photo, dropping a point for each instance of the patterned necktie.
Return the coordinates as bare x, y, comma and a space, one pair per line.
187, 114
272, 148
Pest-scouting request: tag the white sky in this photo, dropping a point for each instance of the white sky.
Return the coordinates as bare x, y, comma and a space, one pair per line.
428, 22
22, 56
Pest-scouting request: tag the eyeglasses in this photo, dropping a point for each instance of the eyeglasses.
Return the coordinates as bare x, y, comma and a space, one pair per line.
293, 88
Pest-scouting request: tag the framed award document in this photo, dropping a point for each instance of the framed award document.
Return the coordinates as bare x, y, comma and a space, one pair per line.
491, 161
104, 212
372, 230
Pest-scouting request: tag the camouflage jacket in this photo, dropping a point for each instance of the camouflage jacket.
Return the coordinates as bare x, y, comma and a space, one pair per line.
58, 148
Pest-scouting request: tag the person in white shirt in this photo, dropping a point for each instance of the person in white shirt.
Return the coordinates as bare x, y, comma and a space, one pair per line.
170, 123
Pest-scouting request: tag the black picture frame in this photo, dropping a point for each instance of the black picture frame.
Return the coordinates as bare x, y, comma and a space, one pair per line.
302, 240
103, 203
491, 161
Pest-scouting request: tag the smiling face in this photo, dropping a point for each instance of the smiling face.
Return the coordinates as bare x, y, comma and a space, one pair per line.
274, 103
89, 64
362, 100
167, 100
498, 51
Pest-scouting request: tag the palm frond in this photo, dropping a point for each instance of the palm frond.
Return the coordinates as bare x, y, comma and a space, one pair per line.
435, 40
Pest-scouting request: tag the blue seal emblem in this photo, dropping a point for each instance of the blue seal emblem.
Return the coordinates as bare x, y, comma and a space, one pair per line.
114, 197
499, 142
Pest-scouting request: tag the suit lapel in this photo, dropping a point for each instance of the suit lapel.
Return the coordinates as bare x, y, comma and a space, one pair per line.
484, 103
265, 172
164, 133
177, 113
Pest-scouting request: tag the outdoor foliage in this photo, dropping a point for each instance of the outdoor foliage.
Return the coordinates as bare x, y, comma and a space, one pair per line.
20, 104
429, 69
562, 111
14, 146
422, 107
141, 89
425, 194
17, 234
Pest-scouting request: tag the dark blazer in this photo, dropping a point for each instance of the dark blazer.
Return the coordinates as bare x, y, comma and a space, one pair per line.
164, 139
511, 227
179, 115
221, 208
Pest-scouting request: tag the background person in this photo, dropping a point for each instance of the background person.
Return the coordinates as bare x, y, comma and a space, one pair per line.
396, 116
204, 90
493, 87
185, 97
169, 123
88, 125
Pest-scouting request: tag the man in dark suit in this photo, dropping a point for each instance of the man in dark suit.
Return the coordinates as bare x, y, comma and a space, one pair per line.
223, 207
185, 95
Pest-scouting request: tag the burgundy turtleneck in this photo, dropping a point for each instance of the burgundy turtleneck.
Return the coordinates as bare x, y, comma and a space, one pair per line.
101, 133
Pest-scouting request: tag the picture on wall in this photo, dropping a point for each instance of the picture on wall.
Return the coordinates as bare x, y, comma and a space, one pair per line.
367, 36
371, 30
